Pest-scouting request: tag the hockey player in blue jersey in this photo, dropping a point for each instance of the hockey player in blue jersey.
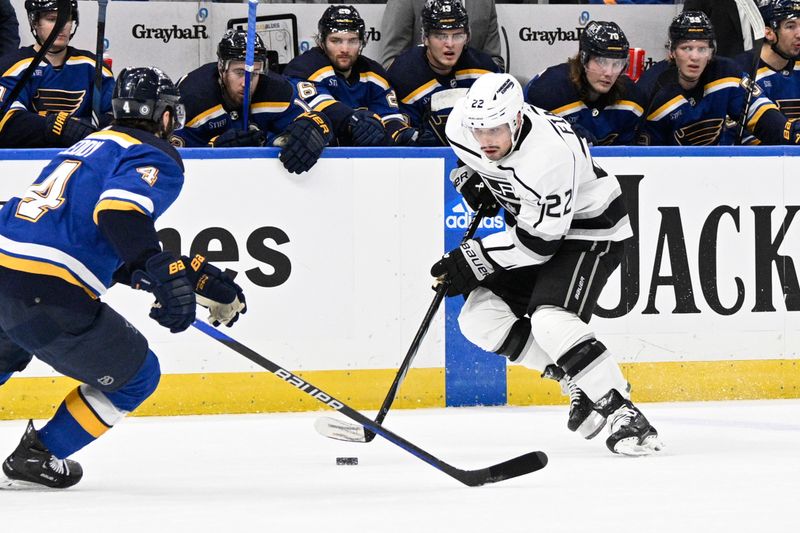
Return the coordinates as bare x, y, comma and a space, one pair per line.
281, 113
430, 78
690, 96
85, 223
336, 65
591, 91
778, 73
54, 109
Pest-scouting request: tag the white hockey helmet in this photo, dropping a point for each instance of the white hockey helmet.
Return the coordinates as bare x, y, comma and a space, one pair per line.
493, 100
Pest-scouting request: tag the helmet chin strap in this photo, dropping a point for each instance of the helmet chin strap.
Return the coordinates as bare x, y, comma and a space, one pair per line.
778, 51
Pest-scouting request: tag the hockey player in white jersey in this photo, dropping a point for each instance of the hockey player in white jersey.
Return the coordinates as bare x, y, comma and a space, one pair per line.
531, 289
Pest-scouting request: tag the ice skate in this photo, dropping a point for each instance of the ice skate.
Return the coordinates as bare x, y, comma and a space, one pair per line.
583, 417
629, 431
32, 466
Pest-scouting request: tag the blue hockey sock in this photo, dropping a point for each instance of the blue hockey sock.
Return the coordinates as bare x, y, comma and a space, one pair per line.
86, 413
5, 377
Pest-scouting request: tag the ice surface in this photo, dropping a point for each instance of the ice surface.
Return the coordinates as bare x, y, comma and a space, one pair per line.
729, 467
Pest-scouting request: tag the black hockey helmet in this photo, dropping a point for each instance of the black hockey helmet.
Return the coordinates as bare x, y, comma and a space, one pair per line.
776, 11
603, 39
444, 15
37, 7
691, 26
144, 93
233, 47
341, 18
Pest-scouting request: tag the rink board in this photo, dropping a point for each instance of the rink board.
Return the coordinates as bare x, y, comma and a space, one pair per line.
335, 263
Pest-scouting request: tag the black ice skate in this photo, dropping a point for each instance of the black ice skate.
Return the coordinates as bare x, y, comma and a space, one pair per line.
630, 432
33, 466
583, 417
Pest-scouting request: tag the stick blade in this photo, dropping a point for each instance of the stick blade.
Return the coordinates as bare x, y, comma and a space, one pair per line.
340, 430
518, 466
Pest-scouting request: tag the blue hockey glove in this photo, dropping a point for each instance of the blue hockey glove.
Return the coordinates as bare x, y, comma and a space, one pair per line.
62, 130
463, 268
366, 128
166, 278
303, 142
236, 138
405, 136
475, 192
215, 291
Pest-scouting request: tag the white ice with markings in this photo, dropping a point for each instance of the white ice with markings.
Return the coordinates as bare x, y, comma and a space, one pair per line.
728, 466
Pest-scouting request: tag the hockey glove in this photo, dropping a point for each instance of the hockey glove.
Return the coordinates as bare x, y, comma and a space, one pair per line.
463, 268
366, 128
791, 131
303, 142
476, 193
215, 291
62, 130
166, 278
405, 136
236, 138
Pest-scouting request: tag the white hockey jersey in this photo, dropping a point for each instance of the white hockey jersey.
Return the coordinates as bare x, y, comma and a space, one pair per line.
551, 186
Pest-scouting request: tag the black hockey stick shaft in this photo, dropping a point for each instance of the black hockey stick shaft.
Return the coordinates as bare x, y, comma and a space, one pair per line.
100, 46
441, 290
63, 13
524, 464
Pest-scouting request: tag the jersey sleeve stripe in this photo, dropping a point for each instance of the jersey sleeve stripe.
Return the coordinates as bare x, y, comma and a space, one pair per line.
321, 74
420, 92
722, 83
667, 108
84, 60
627, 105
377, 79
569, 108
470, 73
121, 194
18, 68
8, 115
539, 246
116, 205
757, 109
323, 104
48, 261
270, 107
205, 116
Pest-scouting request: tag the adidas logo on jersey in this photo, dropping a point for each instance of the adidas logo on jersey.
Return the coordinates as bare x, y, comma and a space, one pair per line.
461, 215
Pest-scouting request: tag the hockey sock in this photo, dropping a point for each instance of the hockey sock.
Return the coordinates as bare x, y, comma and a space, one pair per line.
5, 377
86, 413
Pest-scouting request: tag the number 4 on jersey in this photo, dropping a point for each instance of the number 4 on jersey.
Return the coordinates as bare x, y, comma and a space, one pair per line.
42, 197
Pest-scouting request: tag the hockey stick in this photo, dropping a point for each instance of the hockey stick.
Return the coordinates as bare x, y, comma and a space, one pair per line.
524, 464
249, 59
63, 13
341, 430
753, 16
97, 94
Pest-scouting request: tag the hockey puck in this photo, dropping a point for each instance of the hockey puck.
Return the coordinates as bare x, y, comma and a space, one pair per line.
347, 461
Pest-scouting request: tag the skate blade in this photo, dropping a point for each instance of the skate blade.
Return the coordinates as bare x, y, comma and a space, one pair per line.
17, 484
592, 426
632, 448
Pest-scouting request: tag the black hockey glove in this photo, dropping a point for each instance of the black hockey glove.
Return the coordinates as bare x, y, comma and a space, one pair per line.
366, 128
303, 142
166, 278
215, 291
463, 268
237, 138
476, 193
62, 130
405, 136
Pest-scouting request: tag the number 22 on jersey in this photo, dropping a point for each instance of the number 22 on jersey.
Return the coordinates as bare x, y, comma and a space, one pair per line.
49, 194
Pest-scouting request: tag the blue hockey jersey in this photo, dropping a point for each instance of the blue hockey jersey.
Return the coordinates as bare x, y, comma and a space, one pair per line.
50, 89
51, 228
426, 97
365, 88
675, 116
611, 123
276, 102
